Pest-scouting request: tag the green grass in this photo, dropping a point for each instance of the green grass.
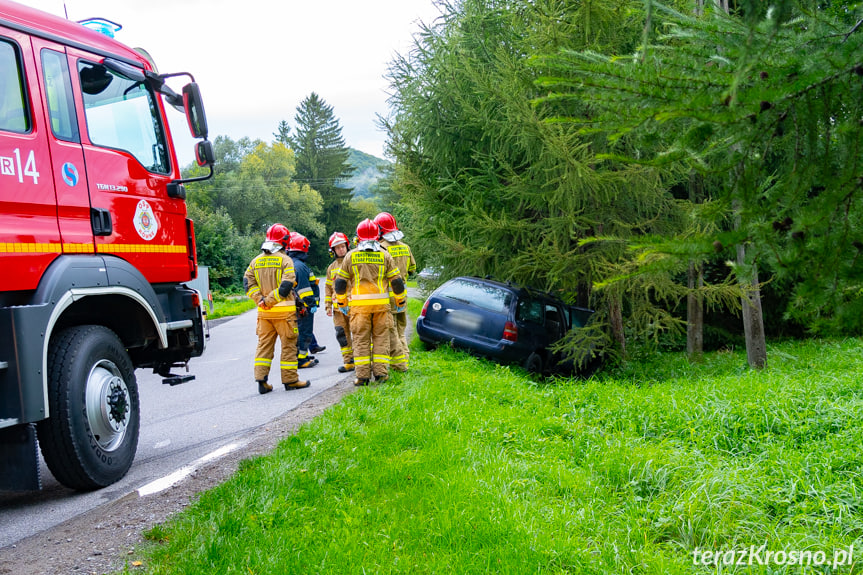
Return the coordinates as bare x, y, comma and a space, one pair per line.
464, 466
227, 305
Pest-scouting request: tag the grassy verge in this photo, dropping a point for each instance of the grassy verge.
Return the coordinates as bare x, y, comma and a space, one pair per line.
227, 305
464, 466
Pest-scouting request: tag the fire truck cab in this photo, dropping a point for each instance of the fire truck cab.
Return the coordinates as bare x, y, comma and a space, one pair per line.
95, 246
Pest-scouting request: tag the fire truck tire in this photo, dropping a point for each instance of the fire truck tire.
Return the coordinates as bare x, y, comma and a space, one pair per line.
90, 438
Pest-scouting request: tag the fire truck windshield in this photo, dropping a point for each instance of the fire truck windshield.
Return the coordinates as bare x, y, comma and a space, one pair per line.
122, 114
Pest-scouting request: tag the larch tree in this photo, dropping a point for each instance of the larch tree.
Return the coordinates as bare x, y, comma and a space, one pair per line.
770, 101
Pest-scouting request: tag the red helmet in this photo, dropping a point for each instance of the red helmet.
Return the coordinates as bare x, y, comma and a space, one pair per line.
367, 230
279, 234
299, 243
387, 222
338, 238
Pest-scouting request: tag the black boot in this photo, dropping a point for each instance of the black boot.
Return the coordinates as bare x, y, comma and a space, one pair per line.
263, 386
317, 348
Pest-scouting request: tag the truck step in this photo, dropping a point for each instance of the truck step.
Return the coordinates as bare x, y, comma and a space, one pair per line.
173, 379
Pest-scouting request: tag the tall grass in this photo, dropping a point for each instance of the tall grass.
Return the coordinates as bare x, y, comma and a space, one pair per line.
464, 466
228, 305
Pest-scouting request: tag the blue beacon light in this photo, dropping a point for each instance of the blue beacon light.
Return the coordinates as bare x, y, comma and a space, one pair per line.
101, 25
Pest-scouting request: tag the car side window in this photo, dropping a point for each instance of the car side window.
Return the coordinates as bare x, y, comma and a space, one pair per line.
553, 320
122, 114
58, 89
529, 309
14, 115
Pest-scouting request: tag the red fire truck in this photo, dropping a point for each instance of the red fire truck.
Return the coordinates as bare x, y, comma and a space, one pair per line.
94, 246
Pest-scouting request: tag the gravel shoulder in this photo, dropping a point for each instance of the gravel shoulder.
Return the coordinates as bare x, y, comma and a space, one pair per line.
104, 540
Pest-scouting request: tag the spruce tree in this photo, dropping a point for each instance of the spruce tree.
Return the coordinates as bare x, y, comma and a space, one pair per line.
322, 163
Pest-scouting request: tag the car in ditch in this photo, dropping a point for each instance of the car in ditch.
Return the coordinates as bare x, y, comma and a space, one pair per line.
502, 321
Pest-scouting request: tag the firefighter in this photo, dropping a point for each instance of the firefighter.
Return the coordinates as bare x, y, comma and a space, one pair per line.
270, 281
391, 237
338, 248
307, 299
367, 275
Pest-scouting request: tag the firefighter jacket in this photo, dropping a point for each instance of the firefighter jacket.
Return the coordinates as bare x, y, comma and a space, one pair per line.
404, 259
401, 253
307, 293
365, 279
270, 278
330, 302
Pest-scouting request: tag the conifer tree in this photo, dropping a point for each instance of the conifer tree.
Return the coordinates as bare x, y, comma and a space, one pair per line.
770, 101
322, 163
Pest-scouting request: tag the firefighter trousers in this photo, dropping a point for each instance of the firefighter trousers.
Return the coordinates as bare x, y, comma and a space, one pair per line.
398, 347
285, 329
371, 329
343, 336
305, 333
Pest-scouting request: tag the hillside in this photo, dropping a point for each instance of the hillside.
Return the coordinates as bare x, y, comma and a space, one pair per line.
367, 172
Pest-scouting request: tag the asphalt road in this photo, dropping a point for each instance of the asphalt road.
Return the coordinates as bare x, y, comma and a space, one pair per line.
184, 425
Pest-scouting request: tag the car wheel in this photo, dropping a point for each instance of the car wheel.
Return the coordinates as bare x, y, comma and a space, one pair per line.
533, 363
91, 435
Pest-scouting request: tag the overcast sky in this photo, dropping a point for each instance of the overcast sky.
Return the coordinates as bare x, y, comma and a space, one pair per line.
255, 60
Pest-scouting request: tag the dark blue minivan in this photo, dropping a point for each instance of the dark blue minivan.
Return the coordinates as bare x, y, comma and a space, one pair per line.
508, 323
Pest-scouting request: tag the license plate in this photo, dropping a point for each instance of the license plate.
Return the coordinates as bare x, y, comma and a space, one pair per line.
461, 320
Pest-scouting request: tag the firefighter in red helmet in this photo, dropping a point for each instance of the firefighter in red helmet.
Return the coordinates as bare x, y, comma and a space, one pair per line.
307, 296
269, 281
362, 285
391, 237
338, 249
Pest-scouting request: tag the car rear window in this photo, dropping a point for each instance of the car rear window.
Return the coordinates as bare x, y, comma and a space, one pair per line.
485, 296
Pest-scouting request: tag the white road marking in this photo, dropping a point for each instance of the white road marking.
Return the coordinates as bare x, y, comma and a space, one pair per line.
177, 476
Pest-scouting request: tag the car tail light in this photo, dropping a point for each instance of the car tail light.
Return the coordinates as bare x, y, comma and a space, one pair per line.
196, 300
425, 307
510, 331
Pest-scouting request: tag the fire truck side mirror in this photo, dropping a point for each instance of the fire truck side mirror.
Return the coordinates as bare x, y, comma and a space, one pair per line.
204, 154
194, 106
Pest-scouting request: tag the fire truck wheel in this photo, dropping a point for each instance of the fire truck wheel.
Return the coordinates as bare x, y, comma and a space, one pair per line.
90, 438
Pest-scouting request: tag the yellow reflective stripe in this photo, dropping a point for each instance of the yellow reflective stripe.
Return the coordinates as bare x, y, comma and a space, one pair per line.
76, 248
345, 350
137, 248
381, 358
253, 290
368, 302
289, 365
262, 361
328, 299
304, 292
393, 273
277, 296
343, 274
398, 358
30, 248
362, 360
378, 295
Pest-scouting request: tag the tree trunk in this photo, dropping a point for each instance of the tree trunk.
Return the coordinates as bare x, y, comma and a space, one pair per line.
616, 319
695, 281
753, 318
695, 313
